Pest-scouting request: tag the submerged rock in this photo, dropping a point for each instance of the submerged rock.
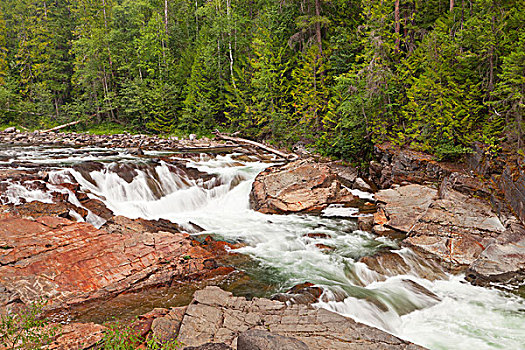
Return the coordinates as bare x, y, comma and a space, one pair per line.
300, 186
304, 293
216, 316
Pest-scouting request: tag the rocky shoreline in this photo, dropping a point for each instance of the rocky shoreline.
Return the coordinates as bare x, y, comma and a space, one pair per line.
445, 213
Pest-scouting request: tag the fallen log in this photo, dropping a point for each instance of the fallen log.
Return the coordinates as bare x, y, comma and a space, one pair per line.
286, 156
62, 126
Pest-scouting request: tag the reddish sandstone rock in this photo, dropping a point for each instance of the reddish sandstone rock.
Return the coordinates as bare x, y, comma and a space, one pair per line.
78, 336
301, 186
71, 263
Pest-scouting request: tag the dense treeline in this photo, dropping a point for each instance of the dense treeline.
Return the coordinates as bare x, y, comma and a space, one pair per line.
338, 74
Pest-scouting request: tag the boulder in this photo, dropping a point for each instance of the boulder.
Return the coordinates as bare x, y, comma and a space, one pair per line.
446, 224
304, 293
501, 262
388, 263
300, 186
216, 316
256, 339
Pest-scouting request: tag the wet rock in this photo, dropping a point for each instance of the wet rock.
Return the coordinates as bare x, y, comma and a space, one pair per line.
73, 263
501, 262
388, 263
317, 235
10, 130
365, 223
453, 227
304, 293
216, 316
78, 336
263, 340
96, 206
37, 209
300, 186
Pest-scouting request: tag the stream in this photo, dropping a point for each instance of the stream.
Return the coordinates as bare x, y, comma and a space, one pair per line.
442, 313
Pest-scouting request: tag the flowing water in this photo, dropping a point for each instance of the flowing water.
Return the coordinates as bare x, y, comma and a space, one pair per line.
443, 313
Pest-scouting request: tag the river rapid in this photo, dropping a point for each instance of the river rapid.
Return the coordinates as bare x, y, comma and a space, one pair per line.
423, 305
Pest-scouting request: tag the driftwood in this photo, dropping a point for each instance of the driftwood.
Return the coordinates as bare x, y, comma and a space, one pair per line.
287, 156
62, 126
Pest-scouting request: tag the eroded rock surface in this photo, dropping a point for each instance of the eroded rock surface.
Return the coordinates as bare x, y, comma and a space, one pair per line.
459, 230
454, 227
69, 262
215, 316
301, 186
78, 336
502, 262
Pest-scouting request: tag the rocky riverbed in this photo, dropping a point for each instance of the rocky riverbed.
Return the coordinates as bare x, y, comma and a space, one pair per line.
129, 215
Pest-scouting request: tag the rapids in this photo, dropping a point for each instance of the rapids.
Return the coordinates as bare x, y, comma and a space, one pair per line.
442, 313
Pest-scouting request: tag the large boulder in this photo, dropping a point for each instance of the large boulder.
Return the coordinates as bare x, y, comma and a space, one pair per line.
216, 316
445, 224
300, 186
502, 262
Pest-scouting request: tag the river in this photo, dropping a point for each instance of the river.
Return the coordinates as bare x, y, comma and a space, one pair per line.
439, 313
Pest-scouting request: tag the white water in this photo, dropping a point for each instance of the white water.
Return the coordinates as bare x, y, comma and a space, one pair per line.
461, 317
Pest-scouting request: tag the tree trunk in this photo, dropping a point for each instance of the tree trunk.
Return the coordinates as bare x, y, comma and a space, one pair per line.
166, 16
451, 5
318, 26
228, 13
397, 24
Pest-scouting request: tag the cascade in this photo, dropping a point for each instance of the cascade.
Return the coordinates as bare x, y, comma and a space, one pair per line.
414, 300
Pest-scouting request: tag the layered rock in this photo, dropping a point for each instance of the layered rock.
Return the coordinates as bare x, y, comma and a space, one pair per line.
301, 186
502, 262
215, 316
78, 336
455, 228
70, 263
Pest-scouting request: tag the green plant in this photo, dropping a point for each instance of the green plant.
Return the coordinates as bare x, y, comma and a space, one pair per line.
120, 337
26, 329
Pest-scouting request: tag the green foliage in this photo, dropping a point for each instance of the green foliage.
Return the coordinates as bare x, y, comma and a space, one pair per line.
26, 329
339, 75
120, 337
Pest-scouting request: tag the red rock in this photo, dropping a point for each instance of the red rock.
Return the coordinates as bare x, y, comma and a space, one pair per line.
72, 262
78, 336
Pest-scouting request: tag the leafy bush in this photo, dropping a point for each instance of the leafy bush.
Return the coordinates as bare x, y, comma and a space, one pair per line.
120, 337
26, 329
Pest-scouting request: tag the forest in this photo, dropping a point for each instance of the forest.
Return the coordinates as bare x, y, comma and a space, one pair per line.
336, 76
